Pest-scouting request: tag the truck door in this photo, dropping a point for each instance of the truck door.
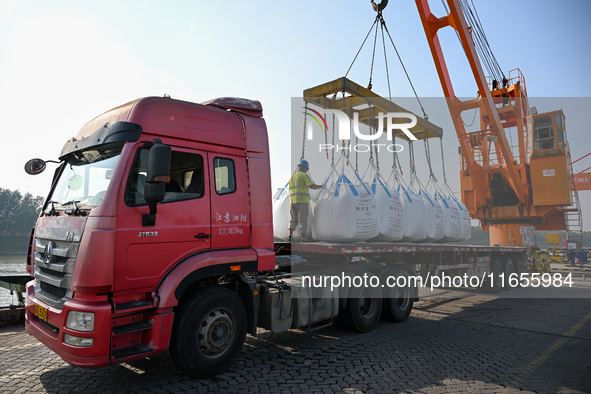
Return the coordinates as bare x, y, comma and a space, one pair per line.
230, 206
183, 221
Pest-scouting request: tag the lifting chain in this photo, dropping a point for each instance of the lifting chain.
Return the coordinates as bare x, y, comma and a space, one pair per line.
326, 138
375, 146
325, 128
403, 68
377, 158
411, 154
386, 59
356, 150
332, 150
428, 156
304, 132
378, 8
375, 40
371, 129
395, 158
442, 160
334, 120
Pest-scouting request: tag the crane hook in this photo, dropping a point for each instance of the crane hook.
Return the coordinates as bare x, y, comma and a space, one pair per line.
379, 7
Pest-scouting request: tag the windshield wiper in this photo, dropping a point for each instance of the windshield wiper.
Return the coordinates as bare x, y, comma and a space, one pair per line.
52, 211
76, 211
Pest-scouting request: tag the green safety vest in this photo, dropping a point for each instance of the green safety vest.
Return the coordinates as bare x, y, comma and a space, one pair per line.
298, 188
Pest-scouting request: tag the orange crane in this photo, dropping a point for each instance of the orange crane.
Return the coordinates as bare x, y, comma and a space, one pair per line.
510, 194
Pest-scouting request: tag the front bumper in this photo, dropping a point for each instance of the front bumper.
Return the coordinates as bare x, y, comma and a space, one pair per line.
51, 332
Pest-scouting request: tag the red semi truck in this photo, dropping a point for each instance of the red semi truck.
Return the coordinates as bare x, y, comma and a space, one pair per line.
157, 235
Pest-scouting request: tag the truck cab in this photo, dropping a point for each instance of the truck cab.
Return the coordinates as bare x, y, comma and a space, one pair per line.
116, 248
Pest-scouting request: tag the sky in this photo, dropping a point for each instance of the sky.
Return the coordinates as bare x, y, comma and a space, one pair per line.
64, 62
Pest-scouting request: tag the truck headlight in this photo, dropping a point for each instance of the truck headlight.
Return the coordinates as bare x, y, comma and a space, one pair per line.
80, 321
78, 341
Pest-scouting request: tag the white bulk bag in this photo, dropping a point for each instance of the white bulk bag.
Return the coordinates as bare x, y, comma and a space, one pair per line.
414, 212
434, 217
344, 212
390, 213
452, 221
433, 210
466, 221
281, 215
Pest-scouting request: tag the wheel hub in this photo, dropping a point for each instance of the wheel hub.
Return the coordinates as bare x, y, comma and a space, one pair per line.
366, 305
215, 332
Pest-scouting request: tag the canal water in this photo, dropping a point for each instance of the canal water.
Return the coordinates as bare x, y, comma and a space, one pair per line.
11, 265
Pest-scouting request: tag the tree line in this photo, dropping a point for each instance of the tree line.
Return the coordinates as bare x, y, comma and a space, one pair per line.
18, 212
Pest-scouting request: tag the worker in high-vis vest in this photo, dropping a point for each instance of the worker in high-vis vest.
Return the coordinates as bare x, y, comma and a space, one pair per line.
299, 199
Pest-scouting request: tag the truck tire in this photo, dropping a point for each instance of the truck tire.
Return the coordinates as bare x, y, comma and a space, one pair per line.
398, 301
363, 310
208, 331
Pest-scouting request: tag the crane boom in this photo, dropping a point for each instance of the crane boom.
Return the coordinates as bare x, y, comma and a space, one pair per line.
509, 195
456, 20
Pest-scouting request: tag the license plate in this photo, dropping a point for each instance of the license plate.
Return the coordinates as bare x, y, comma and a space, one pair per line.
41, 312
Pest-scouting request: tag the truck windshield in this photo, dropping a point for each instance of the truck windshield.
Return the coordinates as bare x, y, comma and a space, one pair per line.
85, 178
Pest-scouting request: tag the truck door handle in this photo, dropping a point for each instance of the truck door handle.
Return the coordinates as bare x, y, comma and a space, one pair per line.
203, 235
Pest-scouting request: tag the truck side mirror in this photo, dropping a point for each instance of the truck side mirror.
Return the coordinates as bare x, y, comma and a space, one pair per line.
157, 178
35, 166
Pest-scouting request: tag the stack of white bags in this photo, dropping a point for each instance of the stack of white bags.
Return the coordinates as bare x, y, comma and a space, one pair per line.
377, 210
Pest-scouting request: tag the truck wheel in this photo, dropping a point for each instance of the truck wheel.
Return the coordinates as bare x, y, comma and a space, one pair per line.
399, 301
362, 312
208, 331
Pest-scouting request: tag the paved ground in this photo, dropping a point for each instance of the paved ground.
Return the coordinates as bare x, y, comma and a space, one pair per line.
459, 342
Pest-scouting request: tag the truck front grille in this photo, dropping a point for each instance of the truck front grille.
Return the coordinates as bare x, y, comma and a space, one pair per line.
54, 266
53, 290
